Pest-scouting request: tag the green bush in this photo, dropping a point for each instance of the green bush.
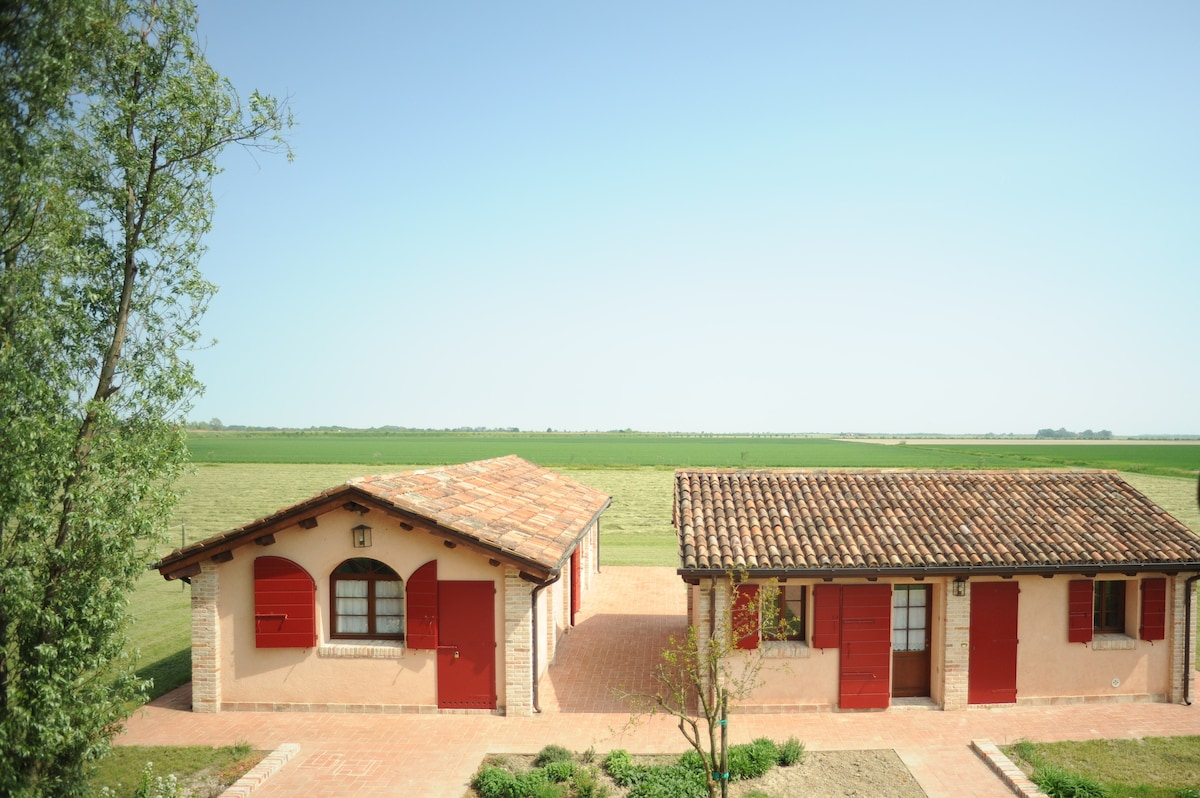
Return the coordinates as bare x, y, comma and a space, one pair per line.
494, 782
586, 786
551, 753
692, 759
1059, 783
791, 752
559, 771
670, 781
620, 768
753, 760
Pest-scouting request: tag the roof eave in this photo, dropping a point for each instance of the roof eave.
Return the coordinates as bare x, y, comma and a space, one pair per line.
959, 571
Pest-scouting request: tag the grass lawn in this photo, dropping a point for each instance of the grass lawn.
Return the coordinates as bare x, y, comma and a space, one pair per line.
206, 771
1151, 767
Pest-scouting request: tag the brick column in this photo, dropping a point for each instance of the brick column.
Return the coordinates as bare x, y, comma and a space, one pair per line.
957, 648
206, 641
1178, 636
518, 645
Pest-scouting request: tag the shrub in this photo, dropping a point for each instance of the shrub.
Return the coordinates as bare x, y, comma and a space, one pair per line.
559, 771
791, 752
551, 753
620, 768
670, 781
1189, 792
753, 760
1059, 783
494, 782
692, 759
586, 785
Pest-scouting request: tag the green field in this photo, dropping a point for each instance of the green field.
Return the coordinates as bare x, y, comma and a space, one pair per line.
608, 450
276, 470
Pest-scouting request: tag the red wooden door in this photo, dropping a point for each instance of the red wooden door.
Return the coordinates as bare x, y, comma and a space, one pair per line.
576, 588
992, 662
866, 649
466, 652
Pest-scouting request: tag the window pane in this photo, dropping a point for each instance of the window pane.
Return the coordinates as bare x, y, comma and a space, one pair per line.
352, 606
916, 618
899, 639
388, 607
916, 597
388, 589
351, 588
916, 640
899, 597
352, 624
389, 624
899, 618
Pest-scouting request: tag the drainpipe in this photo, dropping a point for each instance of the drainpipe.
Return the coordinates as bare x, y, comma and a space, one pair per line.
1187, 638
533, 601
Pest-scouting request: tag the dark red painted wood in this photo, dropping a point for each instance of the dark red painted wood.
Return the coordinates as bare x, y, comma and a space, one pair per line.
866, 648
745, 616
1079, 610
422, 610
992, 659
285, 613
827, 616
1154, 609
576, 587
466, 652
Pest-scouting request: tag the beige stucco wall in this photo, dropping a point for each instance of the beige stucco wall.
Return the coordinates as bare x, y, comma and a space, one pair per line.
1049, 668
345, 674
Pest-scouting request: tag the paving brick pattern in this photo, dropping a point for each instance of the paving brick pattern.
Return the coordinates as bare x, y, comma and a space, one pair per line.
630, 612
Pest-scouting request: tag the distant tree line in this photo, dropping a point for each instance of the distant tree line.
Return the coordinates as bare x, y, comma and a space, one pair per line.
1062, 434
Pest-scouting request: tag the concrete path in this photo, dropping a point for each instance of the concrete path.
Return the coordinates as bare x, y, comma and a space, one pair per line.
630, 614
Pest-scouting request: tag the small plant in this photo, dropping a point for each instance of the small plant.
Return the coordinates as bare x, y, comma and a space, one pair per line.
551, 753
1189, 792
494, 782
152, 786
670, 781
1059, 783
791, 752
620, 768
588, 756
560, 771
753, 760
586, 786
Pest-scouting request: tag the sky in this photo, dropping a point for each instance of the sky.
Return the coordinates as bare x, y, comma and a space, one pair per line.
785, 217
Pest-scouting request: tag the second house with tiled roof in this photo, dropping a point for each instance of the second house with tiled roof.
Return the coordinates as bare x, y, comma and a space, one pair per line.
439, 589
949, 589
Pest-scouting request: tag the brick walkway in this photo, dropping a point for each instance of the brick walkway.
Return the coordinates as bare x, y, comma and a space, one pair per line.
628, 617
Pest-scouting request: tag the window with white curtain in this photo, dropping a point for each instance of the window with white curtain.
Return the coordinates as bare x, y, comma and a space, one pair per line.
368, 600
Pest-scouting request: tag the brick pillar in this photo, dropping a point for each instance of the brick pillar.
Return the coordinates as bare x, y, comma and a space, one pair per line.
206, 641
1177, 637
957, 648
518, 645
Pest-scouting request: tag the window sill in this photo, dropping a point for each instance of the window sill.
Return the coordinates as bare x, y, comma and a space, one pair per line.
363, 649
784, 649
1109, 641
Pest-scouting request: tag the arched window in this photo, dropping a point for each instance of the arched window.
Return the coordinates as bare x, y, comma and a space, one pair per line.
368, 601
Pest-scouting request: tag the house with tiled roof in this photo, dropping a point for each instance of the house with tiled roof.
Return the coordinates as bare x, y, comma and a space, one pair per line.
947, 589
438, 589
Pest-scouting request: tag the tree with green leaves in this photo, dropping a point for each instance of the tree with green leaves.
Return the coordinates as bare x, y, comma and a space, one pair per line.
700, 673
112, 125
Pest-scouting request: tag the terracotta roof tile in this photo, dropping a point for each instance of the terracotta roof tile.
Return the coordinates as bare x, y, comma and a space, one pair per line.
880, 520
510, 505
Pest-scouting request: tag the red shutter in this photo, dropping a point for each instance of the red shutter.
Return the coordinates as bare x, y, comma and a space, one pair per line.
1080, 605
1154, 609
284, 604
422, 610
827, 616
745, 616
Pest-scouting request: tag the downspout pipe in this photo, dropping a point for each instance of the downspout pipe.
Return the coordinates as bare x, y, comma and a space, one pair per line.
1187, 638
533, 602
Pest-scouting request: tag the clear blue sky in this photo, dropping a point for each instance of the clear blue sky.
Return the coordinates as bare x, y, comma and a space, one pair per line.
725, 217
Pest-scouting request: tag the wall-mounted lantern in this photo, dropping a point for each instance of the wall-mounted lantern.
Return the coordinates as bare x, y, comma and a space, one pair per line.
960, 587
361, 535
